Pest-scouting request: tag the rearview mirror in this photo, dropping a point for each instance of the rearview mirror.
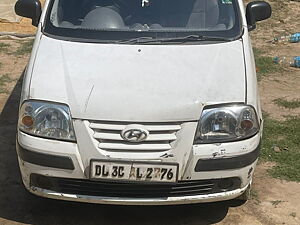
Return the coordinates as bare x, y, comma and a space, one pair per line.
30, 9
257, 11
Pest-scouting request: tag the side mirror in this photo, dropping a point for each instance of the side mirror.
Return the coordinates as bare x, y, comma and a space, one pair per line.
257, 11
29, 8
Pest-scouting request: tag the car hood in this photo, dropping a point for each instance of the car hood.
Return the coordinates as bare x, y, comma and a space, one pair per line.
138, 82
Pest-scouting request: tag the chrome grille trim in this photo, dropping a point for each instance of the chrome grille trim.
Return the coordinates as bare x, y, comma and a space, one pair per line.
117, 137
108, 136
119, 127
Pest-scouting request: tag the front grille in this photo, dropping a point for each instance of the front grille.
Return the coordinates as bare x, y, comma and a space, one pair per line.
134, 190
108, 136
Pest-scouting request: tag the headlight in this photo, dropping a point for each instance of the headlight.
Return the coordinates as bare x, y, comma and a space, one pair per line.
47, 120
228, 123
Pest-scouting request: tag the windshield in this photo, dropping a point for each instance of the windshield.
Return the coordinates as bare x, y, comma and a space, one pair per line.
112, 20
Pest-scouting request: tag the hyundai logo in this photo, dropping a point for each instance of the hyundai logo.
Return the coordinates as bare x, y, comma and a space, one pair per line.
134, 133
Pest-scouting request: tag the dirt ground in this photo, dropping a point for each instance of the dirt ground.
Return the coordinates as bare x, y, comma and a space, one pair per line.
24, 27
284, 84
273, 201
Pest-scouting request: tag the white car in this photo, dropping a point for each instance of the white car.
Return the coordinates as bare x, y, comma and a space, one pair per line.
140, 102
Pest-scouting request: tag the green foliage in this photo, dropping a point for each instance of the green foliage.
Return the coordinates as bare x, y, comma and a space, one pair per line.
4, 47
284, 135
4, 79
293, 104
24, 48
264, 64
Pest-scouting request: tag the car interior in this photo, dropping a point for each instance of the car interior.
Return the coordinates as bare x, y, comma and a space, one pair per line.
144, 14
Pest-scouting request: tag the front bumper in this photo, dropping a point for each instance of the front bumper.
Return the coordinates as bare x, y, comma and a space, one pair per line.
56, 159
140, 201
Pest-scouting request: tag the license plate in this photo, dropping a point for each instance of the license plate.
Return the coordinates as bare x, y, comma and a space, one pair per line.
133, 171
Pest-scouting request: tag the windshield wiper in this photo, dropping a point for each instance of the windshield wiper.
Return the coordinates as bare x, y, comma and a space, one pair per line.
189, 38
135, 40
